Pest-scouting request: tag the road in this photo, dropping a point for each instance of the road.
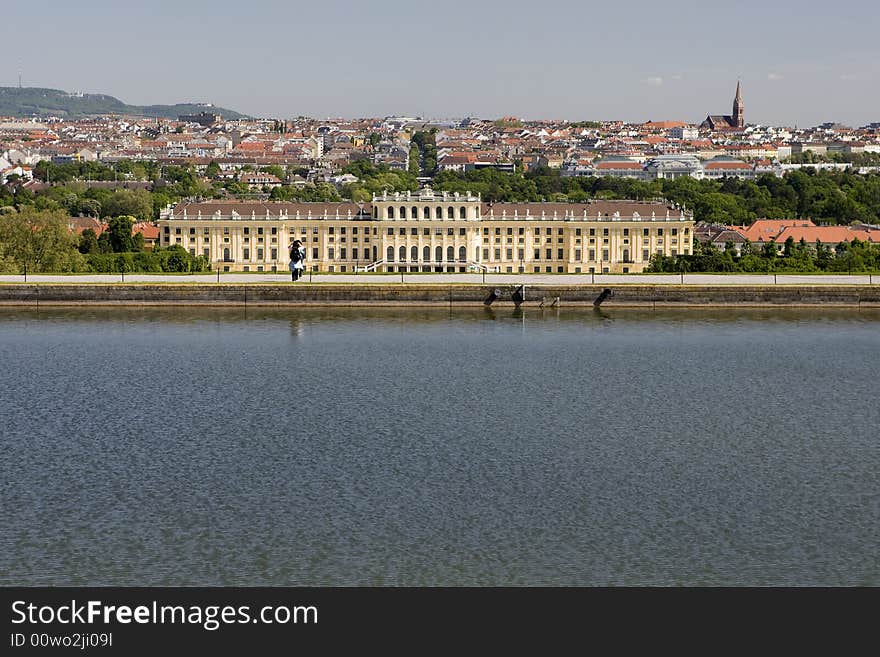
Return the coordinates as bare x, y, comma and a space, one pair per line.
488, 279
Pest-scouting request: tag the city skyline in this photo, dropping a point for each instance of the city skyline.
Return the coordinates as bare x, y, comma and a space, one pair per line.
677, 62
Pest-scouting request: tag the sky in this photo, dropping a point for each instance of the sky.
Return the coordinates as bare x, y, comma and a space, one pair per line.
801, 62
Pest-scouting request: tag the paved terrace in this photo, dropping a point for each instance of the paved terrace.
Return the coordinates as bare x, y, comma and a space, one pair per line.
488, 279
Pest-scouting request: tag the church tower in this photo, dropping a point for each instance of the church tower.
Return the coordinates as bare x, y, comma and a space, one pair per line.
738, 118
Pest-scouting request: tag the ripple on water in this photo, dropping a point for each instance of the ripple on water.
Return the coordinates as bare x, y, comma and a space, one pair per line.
427, 447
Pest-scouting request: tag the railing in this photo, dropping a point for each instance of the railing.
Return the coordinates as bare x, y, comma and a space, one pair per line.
370, 267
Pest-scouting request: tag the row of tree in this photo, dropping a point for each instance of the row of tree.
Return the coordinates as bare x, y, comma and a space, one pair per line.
791, 256
41, 241
827, 196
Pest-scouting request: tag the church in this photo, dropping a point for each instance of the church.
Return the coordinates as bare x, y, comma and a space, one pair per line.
718, 122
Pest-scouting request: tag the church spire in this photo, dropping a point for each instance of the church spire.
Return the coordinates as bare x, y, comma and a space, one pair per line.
738, 117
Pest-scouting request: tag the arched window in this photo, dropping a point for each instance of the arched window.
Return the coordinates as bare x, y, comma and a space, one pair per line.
390, 257
450, 212
414, 253
439, 212
626, 255
402, 252
427, 213
462, 254
477, 254
375, 253
226, 255
450, 254
414, 213
438, 254
375, 212
462, 212
402, 212
390, 212
426, 254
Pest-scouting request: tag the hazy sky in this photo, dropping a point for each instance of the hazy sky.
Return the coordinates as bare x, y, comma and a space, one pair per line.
801, 62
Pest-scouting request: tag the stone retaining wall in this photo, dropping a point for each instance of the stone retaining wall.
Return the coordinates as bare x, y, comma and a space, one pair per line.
416, 294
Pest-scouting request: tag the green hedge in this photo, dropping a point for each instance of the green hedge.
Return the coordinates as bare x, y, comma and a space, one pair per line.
172, 259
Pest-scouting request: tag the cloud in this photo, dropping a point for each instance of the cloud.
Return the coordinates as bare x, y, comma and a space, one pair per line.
774, 76
849, 76
677, 76
653, 81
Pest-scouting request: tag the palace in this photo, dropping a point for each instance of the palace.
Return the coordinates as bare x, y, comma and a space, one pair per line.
429, 231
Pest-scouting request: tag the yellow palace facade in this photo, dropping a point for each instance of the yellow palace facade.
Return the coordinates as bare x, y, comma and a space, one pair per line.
429, 231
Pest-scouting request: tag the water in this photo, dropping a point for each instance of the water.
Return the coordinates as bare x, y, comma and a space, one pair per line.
423, 447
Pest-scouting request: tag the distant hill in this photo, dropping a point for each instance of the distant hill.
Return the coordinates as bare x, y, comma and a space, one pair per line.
33, 101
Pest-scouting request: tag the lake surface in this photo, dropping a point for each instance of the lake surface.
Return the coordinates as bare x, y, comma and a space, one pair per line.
429, 447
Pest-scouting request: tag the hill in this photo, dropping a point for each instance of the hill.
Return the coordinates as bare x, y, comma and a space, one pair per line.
33, 101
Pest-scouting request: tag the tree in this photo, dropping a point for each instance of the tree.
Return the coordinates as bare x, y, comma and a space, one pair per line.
137, 203
212, 170
38, 241
119, 234
88, 241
